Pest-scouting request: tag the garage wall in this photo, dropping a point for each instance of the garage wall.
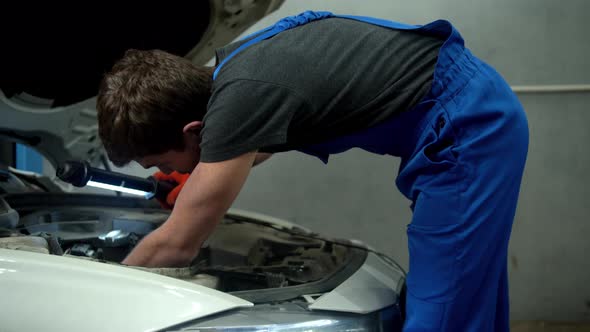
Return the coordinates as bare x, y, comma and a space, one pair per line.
530, 42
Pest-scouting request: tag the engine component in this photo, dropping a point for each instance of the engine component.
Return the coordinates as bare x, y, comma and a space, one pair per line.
82, 249
116, 244
8, 216
53, 241
118, 238
26, 243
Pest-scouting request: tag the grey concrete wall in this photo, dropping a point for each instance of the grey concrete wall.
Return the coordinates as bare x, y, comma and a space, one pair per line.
529, 42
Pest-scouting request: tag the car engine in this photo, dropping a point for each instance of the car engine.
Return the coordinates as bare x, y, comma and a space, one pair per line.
241, 255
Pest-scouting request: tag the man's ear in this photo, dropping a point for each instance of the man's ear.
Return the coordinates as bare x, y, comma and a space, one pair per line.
193, 127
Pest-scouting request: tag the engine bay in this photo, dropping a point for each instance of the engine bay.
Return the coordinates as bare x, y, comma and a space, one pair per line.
240, 255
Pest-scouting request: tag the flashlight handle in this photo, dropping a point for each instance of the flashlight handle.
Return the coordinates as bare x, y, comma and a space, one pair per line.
79, 173
162, 188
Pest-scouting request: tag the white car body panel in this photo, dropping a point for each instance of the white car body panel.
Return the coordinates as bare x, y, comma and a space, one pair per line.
69, 294
374, 286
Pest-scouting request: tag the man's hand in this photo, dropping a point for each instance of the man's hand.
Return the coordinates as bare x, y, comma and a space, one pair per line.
178, 178
207, 194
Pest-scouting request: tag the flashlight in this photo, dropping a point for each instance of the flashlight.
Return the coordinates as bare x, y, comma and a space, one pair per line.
80, 174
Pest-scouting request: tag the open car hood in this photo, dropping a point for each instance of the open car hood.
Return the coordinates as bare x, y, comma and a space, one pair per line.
52, 69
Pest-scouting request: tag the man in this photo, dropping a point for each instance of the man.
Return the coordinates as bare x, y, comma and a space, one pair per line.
322, 84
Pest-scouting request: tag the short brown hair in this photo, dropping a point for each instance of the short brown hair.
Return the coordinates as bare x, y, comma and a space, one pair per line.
146, 99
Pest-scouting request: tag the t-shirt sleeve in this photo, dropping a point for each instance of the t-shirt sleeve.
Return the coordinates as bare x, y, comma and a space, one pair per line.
246, 115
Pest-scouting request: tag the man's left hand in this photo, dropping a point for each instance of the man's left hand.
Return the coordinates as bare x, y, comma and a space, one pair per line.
175, 177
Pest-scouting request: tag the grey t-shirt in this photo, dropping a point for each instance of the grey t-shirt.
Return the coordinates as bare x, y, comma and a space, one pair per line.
312, 83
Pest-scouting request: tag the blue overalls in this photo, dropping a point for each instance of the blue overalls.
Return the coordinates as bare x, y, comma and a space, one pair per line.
463, 150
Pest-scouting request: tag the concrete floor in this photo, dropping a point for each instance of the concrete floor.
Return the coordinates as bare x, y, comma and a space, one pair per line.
542, 326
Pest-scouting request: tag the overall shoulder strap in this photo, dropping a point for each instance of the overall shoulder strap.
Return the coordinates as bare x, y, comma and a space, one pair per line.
282, 25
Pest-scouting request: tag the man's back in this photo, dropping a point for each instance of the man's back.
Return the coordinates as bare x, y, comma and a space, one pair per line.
331, 76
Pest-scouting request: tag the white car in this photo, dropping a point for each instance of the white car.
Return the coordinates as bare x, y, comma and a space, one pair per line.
60, 251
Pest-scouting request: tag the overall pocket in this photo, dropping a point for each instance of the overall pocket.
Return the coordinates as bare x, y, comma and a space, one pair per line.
434, 244
433, 234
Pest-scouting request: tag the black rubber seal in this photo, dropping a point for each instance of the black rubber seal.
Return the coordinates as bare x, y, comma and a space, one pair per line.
357, 259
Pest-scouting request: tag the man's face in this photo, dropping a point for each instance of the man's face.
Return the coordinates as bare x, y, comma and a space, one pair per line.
181, 161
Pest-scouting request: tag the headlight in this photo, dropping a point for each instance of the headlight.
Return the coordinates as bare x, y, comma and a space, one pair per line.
294, 320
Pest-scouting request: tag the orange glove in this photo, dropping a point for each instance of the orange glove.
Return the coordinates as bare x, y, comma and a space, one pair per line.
175, 177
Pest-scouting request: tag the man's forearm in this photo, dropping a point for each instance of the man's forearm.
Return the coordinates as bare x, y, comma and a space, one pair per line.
158, 249
205, 197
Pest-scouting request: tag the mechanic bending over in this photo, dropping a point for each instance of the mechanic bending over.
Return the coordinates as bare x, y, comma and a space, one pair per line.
322, 84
